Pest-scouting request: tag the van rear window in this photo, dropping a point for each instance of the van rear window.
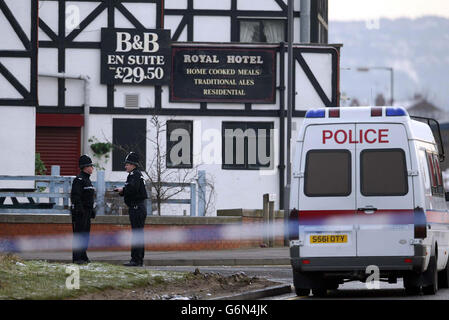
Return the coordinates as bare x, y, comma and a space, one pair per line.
383, 172
327, 173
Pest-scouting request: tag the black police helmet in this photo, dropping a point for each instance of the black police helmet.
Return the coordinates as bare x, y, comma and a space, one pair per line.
85, 161
132, 158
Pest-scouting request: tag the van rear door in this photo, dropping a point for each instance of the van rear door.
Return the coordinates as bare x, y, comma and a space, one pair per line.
384, 191
326, 199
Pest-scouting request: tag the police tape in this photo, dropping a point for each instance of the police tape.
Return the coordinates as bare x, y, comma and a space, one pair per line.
194, 234
116, 239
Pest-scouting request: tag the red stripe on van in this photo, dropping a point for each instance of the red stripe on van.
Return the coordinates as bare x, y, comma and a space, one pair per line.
338, 217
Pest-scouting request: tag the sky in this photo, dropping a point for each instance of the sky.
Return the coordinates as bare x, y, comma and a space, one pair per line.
341, 10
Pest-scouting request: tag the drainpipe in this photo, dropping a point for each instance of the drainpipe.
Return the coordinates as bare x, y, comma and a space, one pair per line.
282, 127
290, 92
305, 21
86, 80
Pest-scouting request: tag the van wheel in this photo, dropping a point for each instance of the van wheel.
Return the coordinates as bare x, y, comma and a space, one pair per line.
319, 292
302, 292
431, 275
443, 277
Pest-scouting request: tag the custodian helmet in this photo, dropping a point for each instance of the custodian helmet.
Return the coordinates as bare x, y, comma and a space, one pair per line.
85, 161
132, 158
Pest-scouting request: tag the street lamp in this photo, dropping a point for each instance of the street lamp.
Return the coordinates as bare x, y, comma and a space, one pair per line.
367, 69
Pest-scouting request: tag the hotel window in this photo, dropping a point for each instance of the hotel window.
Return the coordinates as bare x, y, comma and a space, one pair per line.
128, 135
179, 144
267, 31
247, 145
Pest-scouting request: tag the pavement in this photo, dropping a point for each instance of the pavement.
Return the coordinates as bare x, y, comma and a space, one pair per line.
236, 257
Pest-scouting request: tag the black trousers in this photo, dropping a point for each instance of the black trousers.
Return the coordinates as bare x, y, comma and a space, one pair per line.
137, 216
81, 233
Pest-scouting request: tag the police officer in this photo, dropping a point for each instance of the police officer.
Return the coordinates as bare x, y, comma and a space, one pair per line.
134, 194
82, 197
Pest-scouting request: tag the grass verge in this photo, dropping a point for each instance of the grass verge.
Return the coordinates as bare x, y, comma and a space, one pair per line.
43, 280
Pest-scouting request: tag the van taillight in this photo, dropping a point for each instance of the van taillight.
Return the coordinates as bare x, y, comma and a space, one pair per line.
376, 112
334, 113
293, 225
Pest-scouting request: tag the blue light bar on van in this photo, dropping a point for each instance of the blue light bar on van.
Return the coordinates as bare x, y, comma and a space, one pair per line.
316, 113
395, 112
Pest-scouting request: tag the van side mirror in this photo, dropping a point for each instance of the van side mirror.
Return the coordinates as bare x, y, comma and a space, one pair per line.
447, 196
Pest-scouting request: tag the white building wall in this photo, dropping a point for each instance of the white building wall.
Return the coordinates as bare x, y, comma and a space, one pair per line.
234, 188
17, 144
17, 122
87, 61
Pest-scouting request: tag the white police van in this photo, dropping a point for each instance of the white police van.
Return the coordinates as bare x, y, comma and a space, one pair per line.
367, 194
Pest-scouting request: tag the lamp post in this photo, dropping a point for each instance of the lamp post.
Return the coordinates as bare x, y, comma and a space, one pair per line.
390, 69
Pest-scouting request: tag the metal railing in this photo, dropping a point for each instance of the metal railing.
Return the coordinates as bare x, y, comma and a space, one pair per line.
46, 187
51, 194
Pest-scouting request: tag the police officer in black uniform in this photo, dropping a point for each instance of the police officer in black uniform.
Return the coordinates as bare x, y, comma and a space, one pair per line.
134, 194
82, 197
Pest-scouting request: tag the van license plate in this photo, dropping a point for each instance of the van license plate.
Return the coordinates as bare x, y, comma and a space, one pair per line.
329, 238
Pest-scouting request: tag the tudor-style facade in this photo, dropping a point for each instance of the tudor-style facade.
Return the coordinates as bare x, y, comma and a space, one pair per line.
18, 87
70, 47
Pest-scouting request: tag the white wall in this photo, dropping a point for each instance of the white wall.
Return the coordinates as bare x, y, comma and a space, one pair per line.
87, 61
17, 143
17, 123
235, 188
306, 95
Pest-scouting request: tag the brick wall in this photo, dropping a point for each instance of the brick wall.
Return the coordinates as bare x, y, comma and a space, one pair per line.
199, 233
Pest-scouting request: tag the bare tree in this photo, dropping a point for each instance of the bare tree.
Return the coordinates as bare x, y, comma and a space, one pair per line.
166, 183
210, 195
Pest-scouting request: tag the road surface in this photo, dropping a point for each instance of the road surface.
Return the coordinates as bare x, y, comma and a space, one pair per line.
349, 290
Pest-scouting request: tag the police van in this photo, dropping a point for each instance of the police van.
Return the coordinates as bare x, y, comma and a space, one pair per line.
368, 199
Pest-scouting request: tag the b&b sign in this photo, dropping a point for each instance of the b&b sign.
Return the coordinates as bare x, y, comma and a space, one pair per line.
138, 57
